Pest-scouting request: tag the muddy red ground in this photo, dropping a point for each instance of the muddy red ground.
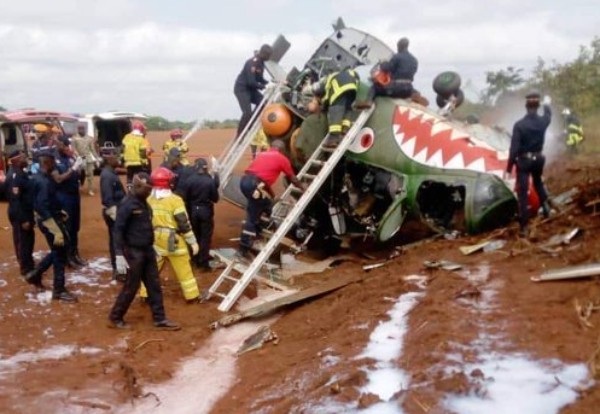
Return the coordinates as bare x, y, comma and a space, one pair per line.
536, 318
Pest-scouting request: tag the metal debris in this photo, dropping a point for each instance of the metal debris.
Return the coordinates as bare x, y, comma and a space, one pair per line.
366, 268
258, 339
572, 272
486, 246
442, 264
559, 239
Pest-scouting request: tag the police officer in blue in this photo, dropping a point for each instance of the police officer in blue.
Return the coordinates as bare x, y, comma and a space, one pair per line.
526, 153
249, 83
135, 256
66, 176
200, 191
50, 221
20, 210
112, 193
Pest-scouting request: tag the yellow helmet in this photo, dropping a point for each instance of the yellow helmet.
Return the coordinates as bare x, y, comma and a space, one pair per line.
40, 128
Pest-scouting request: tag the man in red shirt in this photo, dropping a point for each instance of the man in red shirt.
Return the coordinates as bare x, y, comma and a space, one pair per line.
256, 185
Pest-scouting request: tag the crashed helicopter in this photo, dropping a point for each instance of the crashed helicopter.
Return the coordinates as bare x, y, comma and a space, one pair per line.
407, 161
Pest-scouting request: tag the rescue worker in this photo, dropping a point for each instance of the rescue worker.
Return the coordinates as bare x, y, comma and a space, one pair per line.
249, 83
66, 176
172, 233
135, 256
50, 221
85, 146
44, 142
256, 185
177, 142
200, 191
173, 163
337, 93
135, 156
573, 130
259, 142
19, 189
401, 70
112, 193
526, 148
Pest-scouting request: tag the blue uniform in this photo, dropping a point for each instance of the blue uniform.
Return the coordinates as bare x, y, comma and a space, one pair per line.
526, 153
200, 191
20, 211
112, 193
70, 200
247, 88
134, 238
46, 206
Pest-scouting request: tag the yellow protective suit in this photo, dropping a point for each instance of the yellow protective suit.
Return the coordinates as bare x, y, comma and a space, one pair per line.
172, 234
134, 150
183, 149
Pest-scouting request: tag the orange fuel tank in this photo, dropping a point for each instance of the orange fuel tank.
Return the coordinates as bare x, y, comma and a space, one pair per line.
276, 120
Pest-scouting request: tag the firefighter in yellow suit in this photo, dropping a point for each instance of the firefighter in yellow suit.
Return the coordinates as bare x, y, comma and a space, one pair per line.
176, 141
172, 233
135, 156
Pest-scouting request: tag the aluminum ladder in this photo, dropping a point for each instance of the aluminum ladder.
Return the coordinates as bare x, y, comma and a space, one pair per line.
288, 210
233, 152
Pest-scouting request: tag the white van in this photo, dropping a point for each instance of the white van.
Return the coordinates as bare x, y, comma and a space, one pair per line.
110, 126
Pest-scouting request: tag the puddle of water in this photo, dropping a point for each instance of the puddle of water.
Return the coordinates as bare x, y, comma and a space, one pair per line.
511, 383
385, 347
516, 384
202, 379
13, 364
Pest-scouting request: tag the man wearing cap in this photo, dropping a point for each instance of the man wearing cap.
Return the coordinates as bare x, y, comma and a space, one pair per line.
200, 191
135, 256
50, 221
526, 148
85, 146
44, 142
256, 185
66, 176
249, 83
112, 193
20, 210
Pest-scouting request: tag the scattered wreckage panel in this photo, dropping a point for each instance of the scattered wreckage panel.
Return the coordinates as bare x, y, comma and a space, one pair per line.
264, 308
565, 273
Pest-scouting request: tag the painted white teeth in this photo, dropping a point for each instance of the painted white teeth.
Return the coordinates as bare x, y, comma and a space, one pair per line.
456, 162
439, 127
477, 165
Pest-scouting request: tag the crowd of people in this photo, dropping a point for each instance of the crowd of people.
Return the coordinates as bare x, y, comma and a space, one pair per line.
165, 214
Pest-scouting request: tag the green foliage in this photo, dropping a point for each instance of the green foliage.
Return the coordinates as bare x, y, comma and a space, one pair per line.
576, 84
501, 82
158, 123
214, 124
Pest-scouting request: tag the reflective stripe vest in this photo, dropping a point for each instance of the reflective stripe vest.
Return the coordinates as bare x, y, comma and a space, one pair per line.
169, 240
339, 83
134, 150
574, 134
176, 143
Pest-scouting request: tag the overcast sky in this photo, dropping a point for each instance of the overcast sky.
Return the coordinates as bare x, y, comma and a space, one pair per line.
179, 58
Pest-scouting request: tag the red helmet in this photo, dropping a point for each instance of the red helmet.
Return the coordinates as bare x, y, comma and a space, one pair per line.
176, 133
139, 125
162, 178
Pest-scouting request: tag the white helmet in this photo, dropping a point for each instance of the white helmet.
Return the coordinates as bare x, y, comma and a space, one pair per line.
566, 112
